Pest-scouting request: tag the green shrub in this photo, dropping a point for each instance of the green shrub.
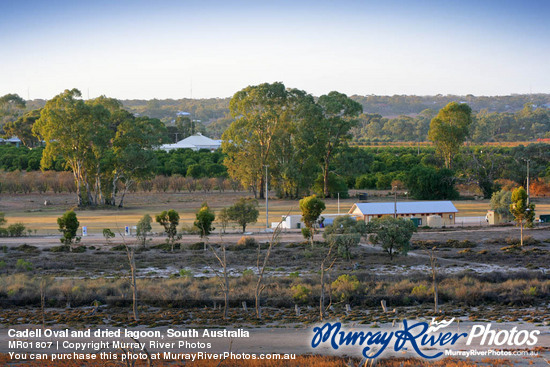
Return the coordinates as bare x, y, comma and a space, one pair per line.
23, 265
16, 230
26, 248
531, 292
306, 232
294, 274
300, 293
61, 248
248, 273
108, 234
420, 291
186, 273
165, 246
345, 287
196, 246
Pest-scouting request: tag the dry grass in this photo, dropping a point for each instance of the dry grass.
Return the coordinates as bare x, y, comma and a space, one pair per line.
21, 289
29, 209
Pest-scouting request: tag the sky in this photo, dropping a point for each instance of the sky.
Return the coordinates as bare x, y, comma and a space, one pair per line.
132, 49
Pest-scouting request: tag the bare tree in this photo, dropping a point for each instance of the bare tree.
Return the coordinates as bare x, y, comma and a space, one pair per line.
261, 265
224, 278
433, 264
44, 283
130, 253
326, 267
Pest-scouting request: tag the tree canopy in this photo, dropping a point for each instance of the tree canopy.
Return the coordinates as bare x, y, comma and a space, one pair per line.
204, 219
311, 207
68, 226
449, 129
522, 210
393, 234
103, 145
244, 211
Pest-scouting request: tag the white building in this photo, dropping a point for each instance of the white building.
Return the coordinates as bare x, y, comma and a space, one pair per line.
407, 209
194, 142
295, 221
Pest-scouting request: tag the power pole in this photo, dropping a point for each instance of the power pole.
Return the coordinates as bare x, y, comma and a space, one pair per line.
528, 182
266, 201
395, 201
338, 203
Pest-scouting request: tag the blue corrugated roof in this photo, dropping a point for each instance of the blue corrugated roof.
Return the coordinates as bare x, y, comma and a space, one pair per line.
406, 207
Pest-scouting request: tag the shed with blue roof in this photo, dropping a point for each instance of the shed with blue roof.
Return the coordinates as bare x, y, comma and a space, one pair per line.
406, 209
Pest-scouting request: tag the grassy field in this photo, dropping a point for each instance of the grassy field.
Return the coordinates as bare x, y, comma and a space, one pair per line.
29, 209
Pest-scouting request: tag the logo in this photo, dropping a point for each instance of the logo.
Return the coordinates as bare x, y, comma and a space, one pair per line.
419, 335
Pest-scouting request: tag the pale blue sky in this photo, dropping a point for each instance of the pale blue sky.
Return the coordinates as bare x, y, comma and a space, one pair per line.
158, 49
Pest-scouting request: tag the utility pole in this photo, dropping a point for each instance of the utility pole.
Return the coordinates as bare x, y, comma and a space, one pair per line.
338, 203
266, 201
395, 201
528, 182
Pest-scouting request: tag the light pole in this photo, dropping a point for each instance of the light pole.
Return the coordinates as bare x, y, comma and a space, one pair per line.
528, 160
266, 201
395, 201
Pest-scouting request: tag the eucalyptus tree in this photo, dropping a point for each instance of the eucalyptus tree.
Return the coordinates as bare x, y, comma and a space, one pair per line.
449, 129
11, 107
22, 128
77, 132
339, 115
102, 144
259, 113
295, 166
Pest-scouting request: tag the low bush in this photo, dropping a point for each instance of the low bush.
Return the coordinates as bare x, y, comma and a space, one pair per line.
196, 246
186, 273
24, 265
300, 293
61, 248
345, 287
166, 246
418, 245
244, 242
16, 230
27, 248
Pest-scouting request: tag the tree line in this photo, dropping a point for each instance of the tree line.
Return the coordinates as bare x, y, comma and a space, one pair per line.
296, 142
527, 124
518, 117
374, 168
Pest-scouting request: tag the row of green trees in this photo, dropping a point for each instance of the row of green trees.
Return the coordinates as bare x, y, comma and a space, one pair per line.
243, 212
406, 168
525, 124
284, 136
497, 118
184, 162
